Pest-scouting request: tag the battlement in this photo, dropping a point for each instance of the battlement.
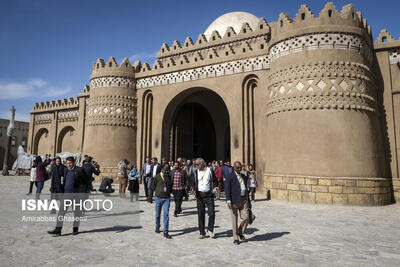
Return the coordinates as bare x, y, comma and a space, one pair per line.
250, 42
215, 39
328, 20
386, 41
246, 43
57, 104
111, 68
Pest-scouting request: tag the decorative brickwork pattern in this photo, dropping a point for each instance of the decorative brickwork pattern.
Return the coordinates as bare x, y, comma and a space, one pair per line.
226, 68
394, 56
44, 118
68, 115
112, 82
322, 85
112, 110
314, 41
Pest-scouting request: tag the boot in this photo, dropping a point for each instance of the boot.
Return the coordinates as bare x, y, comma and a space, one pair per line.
75, 230
55, 232
167, 236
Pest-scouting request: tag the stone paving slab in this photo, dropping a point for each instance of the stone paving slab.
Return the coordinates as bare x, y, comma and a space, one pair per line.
284, 234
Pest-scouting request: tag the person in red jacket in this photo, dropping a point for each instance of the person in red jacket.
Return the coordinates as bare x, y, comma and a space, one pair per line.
41, 174
219, 174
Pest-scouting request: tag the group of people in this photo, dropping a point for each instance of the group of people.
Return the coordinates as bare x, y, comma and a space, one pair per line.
67, 182
53, 169
205, 183
180, 178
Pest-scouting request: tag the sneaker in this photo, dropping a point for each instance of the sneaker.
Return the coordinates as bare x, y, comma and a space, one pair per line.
211, 234
157, 230
202, 236
242, 237
28, 194
236, 242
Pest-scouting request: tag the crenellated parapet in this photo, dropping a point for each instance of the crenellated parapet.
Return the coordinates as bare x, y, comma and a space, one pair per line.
246, 43
385, 41
65, 103
328, 20
111, 69
345, 30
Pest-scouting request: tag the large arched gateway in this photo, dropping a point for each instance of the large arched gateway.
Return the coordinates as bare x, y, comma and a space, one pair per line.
310, 101
196, 124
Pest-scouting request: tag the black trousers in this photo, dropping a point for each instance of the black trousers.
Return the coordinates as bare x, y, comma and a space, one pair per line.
146, 187
31, 186
178, 197
253, 192
205, 200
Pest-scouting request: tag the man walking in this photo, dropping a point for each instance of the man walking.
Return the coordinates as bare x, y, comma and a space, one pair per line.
146, 174
237, 198
154, 170
123, 169
162, 186
204, 183
179, 181
76, 187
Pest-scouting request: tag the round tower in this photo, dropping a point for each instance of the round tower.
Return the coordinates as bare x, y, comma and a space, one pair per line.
110, 127
324, 139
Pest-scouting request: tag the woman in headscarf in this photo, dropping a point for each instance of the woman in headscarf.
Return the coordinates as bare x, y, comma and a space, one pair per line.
41, 174
134, 176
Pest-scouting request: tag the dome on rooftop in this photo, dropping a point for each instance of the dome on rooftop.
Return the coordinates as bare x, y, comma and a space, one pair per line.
232, 19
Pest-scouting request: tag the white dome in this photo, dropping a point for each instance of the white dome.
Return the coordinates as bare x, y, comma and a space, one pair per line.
232, 19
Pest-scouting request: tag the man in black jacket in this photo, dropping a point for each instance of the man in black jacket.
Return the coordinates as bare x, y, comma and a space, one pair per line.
237, 198
75, 188
204, 184
89, 168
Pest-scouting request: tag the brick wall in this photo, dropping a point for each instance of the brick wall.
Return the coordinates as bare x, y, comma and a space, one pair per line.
321, 190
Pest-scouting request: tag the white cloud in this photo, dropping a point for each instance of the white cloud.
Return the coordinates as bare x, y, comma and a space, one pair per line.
18, 116
31, 88
143, 56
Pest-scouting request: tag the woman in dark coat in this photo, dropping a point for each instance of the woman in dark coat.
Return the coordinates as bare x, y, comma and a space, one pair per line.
57, 171
133, 177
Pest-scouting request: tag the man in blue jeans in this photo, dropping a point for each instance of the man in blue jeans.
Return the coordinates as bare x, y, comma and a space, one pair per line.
162, 187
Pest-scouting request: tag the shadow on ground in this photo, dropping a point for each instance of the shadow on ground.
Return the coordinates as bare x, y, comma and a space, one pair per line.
267, 236
116, 229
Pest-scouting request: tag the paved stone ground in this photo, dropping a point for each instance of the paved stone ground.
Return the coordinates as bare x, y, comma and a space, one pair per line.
284, 234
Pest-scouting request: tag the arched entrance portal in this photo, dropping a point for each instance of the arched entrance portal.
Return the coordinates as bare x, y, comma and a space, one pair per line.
196, 124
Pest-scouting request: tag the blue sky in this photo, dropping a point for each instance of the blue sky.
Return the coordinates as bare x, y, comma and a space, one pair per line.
48, 47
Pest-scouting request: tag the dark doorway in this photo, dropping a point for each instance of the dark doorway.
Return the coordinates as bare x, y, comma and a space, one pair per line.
193, 133
196, 124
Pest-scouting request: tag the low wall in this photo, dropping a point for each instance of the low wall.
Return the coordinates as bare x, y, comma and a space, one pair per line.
325, 190
396, 189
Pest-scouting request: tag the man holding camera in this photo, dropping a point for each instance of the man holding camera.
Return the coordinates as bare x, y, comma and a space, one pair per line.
90, 167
